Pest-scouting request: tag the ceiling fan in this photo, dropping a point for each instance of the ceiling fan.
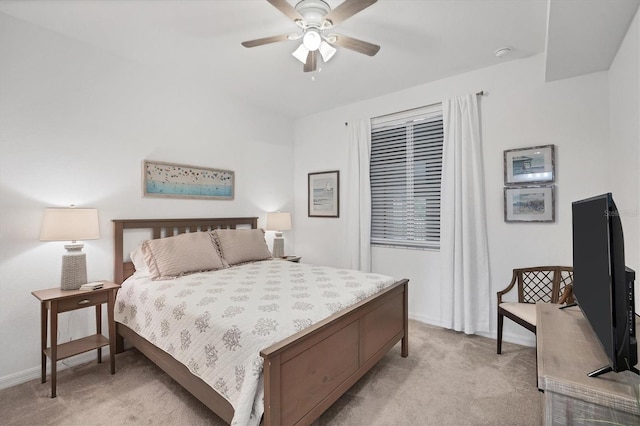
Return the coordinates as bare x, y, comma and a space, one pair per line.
316, 20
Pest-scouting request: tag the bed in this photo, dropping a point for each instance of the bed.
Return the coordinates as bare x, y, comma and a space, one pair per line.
304, 373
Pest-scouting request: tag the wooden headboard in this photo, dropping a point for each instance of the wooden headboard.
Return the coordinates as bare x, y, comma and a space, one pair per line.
166, 228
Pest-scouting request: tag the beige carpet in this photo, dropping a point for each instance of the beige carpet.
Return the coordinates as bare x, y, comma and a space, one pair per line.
448, 379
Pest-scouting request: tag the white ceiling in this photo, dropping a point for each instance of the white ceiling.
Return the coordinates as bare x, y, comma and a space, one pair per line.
584, 35
421, 41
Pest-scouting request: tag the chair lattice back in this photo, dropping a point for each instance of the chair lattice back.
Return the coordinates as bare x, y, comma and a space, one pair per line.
542, 284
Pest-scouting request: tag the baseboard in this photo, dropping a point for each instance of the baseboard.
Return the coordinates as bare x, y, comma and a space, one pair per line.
506, 337
427, 320
34, 373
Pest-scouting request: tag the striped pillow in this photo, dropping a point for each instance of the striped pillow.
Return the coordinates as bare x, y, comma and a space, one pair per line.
241, 245
182, 254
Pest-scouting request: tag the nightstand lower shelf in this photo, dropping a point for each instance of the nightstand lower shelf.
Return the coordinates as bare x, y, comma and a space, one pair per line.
75, 347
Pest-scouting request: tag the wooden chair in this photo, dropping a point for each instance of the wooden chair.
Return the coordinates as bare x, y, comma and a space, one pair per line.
550, 284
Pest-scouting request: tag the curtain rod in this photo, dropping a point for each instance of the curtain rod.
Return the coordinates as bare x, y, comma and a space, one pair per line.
480, 93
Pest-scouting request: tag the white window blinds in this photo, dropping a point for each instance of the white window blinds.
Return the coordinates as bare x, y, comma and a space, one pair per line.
405, 172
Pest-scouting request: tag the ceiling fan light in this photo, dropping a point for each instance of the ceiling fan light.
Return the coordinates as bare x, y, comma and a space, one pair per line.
311, 40
327, 51
301, 53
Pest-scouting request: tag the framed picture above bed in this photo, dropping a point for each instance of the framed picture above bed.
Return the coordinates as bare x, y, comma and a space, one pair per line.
324, 194
182, 181
524, 166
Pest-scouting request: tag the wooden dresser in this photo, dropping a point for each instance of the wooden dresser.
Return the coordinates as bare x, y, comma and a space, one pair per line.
567, 351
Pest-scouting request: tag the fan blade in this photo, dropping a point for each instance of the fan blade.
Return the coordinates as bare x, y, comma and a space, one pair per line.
346, 10
266, 40
284, 7
312, 61
357, 45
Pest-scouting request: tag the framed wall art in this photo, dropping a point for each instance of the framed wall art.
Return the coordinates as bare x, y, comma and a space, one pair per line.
529, 204
529, 165
324, 194
183, 181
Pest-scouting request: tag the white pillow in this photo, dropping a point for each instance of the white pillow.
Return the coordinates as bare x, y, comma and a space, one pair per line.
137, 258
241, 245
181, 254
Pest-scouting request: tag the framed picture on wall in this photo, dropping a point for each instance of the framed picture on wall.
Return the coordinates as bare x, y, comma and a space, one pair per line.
324, 194
529, 204
529, 165
171, 180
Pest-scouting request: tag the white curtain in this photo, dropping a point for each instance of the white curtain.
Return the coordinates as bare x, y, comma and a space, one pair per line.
465, 297
357, 195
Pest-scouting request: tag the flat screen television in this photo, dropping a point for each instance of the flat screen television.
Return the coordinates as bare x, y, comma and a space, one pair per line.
603, 285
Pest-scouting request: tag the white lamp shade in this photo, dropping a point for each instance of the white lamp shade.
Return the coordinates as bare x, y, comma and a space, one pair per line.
69, 224
278, 221
301, 53
327, 51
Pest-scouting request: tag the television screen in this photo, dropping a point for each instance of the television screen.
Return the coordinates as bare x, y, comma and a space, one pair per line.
592, 275
602, 285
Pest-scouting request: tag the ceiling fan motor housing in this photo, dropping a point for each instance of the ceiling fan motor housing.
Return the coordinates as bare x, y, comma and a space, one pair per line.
313, 12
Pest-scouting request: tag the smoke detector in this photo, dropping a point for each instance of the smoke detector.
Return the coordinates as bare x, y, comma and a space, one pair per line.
503, 51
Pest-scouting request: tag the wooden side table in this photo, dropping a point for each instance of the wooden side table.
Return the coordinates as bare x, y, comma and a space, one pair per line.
56, 300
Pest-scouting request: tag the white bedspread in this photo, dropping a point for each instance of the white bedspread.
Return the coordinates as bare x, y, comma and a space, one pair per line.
216, 323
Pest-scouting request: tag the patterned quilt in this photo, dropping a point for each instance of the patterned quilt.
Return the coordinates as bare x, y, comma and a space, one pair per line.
216, 323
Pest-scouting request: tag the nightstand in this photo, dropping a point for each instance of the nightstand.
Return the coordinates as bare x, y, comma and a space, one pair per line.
56, 300
295, 259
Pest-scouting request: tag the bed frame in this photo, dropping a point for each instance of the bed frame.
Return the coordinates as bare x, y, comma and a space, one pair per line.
304, 374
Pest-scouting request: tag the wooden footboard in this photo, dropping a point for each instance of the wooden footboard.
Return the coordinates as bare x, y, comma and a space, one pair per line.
306, 373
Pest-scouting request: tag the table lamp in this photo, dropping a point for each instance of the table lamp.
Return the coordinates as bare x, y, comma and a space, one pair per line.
278, 222
71, 224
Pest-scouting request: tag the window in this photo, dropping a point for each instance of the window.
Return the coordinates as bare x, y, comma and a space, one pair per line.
405, 173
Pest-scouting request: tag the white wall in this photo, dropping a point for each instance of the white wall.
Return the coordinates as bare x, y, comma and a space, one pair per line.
75, 124
520, 110
624, 156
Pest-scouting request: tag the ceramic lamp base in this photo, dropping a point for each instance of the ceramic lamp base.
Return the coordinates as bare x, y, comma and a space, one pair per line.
74, 268
278, 245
